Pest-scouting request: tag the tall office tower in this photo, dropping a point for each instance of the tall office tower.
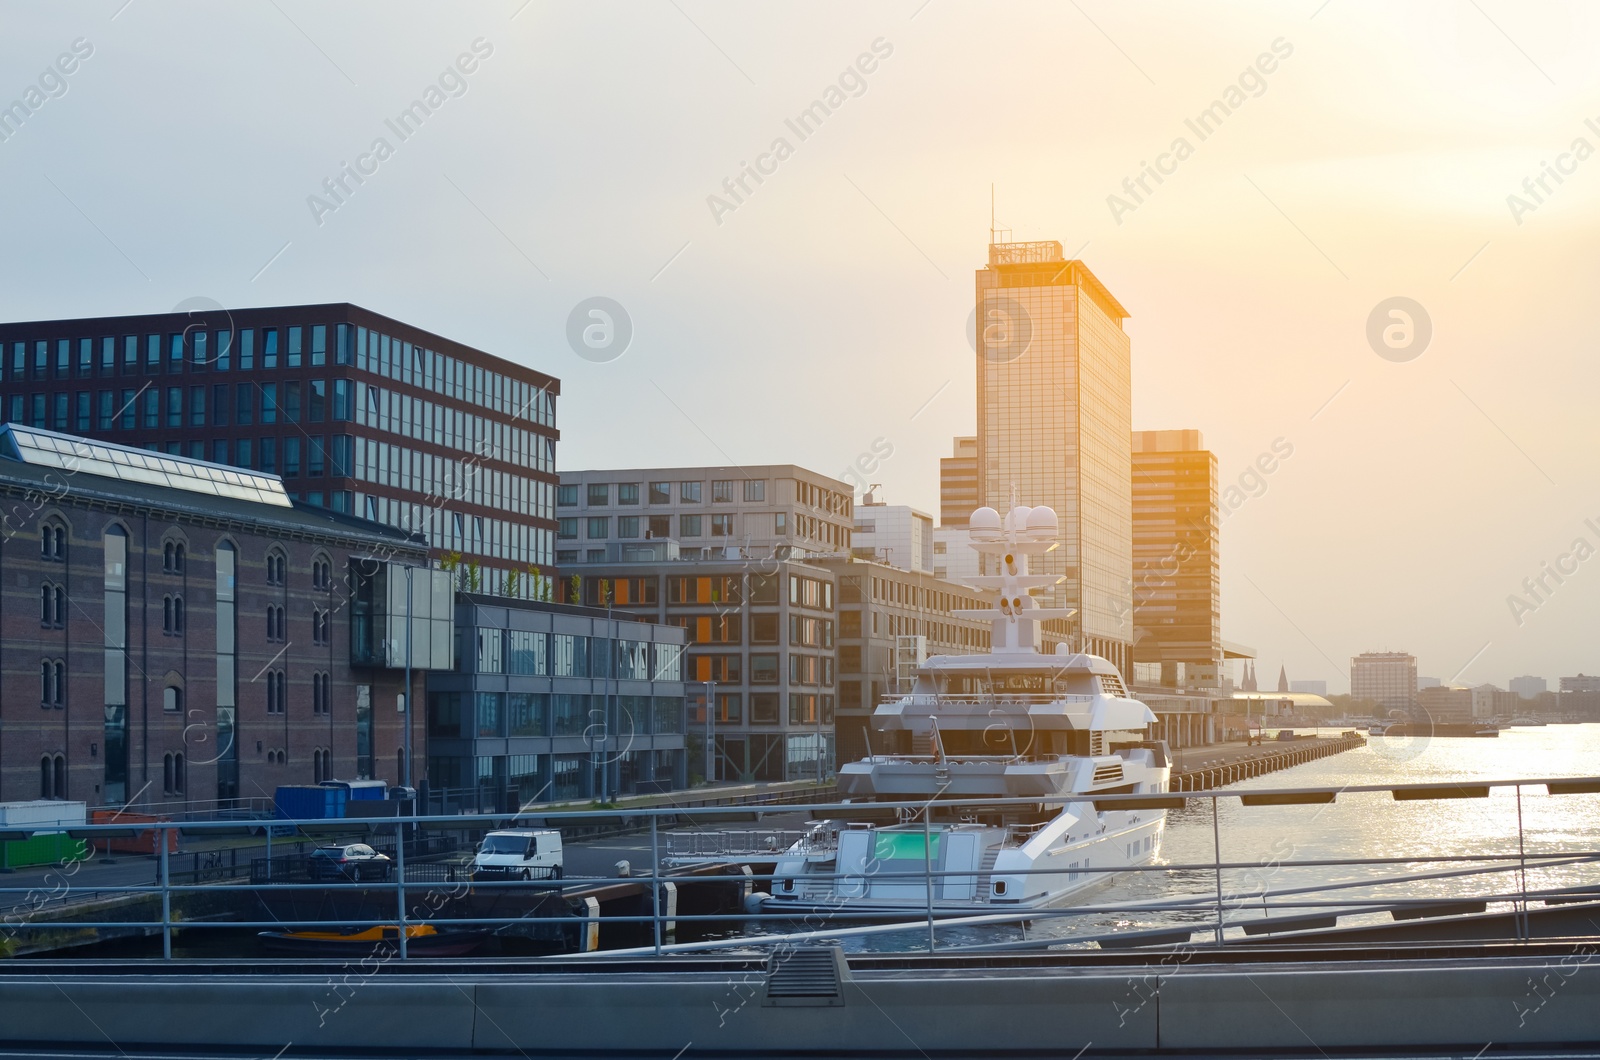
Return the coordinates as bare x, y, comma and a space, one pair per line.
958, 483
354, 411
1177, 585
1387, 678
1055, 414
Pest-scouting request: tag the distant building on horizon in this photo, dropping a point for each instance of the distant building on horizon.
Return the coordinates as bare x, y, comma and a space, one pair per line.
1055, 418
958, 483
1316, 688
1387, 678
1428, 682
1176, 594
1529, 687
1580, 683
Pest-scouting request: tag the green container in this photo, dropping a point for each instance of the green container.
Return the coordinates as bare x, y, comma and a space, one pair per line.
50, 848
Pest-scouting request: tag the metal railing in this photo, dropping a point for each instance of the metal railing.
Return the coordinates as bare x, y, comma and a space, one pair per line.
1501, 877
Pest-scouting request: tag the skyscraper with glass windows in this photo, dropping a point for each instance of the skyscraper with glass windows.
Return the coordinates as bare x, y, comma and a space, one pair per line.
354, 411
1055, 412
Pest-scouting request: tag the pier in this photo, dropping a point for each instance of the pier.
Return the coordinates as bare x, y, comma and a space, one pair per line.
1217, 766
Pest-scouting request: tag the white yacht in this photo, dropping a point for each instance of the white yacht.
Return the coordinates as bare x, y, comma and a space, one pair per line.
1013, 723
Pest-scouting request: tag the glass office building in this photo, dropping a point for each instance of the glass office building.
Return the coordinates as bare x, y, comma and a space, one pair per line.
1055, 412
354, 411
551, 702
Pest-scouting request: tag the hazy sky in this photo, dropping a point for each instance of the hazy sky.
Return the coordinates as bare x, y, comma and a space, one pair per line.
827, 308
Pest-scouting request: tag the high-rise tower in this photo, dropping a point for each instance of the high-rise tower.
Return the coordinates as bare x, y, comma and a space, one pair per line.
1055, 413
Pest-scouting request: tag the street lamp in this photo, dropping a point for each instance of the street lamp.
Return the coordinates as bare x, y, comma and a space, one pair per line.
710, 756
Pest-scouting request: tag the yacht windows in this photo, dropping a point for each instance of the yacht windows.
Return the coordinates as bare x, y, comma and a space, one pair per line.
1037, 681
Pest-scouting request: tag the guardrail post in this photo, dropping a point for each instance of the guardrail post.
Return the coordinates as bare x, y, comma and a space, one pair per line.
166, 891
927, 861
1524, 928
655, 882
1216, 849
400, 882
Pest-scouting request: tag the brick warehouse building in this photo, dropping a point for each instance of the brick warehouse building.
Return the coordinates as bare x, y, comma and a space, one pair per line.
175, 632
355, 411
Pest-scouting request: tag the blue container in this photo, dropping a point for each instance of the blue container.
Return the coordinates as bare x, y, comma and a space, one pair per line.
308, 802
360, 790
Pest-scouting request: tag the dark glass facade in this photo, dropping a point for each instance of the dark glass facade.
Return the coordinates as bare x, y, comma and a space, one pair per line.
356, 412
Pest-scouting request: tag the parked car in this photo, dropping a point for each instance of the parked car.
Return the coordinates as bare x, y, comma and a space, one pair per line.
352, 861
519, 855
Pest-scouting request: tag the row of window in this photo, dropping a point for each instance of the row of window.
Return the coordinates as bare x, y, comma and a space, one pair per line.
764, 669
444, 479
726, 628
482, 437
514, 540
567, 655
593, 717
194, 350
598, 494
151, 408
765, 708
440, 373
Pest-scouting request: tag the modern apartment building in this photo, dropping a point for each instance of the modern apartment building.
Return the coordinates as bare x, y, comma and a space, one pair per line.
896, 534
354, 411
711, 512
1054, 423
1580, 683
551, 702
195, 637
1386, 678
1177, 585
958, 483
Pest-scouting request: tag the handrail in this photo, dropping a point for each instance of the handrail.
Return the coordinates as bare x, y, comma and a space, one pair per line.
1318, 896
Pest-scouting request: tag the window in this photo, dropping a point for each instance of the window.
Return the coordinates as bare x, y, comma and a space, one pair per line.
172, 699
567, 529
52, 606
627, 526
319, 344
321, 694
659, 526
780, 524
172, 615
318, 408
764, 708
296, 335
763, 668
688, 526
277, 692
173, 770
567, 496
660, 493
321, 626
763, 628
755, 489
689, 492
52, 683
53, 777
627, 493
276, 624
321, 574
599, 493
172, 557
599, 527
722, 524
53, 542
722, 491
277, 566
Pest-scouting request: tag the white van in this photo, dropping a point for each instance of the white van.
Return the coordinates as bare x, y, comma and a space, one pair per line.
519, 855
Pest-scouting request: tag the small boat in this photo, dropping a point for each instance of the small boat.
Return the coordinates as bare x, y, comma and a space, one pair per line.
422, 940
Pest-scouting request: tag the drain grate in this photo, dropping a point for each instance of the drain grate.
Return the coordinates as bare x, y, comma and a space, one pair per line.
807, 975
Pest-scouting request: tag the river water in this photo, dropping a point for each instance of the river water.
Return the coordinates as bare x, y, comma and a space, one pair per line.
1268, 840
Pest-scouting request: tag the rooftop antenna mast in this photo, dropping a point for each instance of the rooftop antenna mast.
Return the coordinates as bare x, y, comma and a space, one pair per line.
991, 213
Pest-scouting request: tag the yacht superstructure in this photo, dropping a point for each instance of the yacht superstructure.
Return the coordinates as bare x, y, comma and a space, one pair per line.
1012, 723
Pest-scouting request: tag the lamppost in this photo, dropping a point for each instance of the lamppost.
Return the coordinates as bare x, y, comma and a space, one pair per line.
711, 755
405, 767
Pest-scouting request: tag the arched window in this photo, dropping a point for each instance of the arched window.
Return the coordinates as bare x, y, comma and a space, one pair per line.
47, 778
53, 541
177, 616
172, 699
166, 559
52, 683
52, 606
321, 573
277, 568
166, 615
60, 770
179, 558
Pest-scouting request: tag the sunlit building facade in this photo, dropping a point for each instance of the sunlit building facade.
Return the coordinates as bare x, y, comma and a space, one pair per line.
1055, 414
1177, 582
1386, 678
